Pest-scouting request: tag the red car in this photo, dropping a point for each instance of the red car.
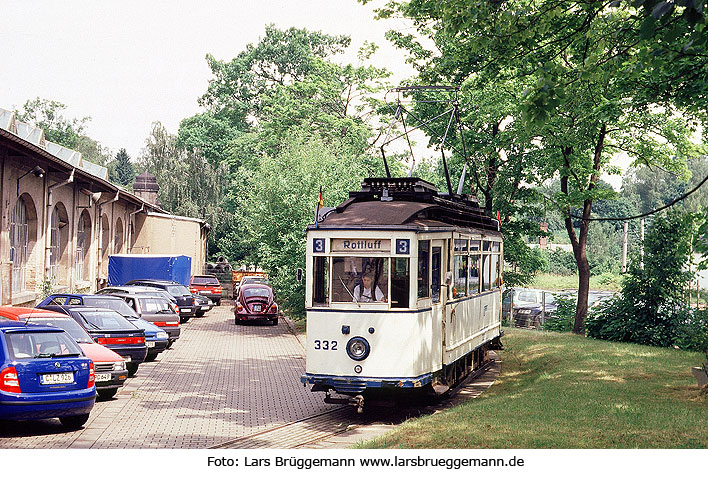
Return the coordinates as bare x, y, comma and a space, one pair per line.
110, 369
208, 286
256, 301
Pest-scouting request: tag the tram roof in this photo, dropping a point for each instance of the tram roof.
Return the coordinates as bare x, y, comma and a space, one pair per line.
407, 203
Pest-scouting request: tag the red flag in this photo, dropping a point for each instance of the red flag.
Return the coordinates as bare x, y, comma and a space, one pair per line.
499, 218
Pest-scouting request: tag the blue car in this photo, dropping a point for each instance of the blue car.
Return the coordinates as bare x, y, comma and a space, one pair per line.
44, 374
110, 329
156, 339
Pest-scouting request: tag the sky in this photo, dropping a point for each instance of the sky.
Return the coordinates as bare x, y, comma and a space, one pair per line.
128, 64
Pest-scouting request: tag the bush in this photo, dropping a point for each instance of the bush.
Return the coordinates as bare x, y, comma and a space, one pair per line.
652, 309
564, 316
561, 262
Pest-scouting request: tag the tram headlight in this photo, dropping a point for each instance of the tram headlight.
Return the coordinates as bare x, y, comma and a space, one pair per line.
358, 348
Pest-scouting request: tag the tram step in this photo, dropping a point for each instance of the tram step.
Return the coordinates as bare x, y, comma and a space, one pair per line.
440, 388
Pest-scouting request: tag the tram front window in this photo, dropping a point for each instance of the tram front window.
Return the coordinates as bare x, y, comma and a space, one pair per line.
359, 279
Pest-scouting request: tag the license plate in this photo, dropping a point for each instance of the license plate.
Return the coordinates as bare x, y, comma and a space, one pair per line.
58, 378
204, 292
256, 307
150, 344
103, 377
205, 307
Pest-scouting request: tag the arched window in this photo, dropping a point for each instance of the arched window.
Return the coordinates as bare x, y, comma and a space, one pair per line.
118, 239
19, 226
105, 242
83, 243
54, 249
58, 241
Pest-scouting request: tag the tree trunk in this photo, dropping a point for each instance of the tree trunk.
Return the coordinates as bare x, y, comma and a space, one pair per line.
580, 243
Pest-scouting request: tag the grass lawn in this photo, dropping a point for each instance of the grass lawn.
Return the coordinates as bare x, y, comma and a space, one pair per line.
559, 390
549, 281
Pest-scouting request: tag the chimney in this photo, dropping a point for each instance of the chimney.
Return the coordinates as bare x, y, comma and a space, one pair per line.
145, 187
543, 241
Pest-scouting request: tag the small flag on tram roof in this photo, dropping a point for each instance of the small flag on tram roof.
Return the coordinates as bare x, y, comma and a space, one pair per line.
320, 204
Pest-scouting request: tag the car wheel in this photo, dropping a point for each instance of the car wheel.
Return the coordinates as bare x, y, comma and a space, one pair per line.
106, 393
74, 422
183, 319
151, 357
218, 302
199, 314
274, 322
132, 369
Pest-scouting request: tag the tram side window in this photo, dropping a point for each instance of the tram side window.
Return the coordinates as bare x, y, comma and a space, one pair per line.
494, 278
460, 270
359, 279
400, 282
485, 272
319, 282
423, 270
474, 274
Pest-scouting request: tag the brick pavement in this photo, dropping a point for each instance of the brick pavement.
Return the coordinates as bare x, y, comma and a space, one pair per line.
219, 382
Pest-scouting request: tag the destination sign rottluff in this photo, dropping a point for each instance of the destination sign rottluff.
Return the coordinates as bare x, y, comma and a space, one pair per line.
361, 245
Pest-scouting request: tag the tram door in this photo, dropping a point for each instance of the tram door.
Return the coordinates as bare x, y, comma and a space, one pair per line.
437, 294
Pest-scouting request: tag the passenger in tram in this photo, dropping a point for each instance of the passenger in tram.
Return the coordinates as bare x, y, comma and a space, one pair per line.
367, 295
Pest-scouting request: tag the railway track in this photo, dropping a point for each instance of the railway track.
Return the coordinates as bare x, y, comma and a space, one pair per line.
342, 426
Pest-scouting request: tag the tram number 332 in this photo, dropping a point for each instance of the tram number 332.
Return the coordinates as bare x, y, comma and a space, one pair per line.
326, 345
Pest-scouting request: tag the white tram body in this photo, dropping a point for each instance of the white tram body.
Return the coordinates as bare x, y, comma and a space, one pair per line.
403, 290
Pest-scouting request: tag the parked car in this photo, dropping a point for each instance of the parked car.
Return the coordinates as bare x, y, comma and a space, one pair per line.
156, 339
529, 315
208, 286
255, 301
109, 328
44, 374
203, 304
140, 290
110, 369
154, 308
513, 298
185, 300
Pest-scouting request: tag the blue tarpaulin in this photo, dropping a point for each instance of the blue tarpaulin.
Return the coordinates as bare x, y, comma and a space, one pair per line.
127, 267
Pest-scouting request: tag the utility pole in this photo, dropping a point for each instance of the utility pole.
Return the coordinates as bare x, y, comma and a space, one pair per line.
624, 247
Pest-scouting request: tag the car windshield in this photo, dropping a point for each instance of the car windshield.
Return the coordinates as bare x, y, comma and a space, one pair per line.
246, 280
67, 324
106, 320
36, 345
256, 291
112, 304
205, 281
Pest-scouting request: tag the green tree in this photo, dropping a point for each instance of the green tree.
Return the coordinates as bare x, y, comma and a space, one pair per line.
586, 97
278, 201
122, 172
189, 184
652, 308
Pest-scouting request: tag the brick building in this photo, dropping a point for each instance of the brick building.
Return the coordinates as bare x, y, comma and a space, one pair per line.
61, 218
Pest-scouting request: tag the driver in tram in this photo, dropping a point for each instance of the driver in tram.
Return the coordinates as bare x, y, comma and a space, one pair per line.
367, 295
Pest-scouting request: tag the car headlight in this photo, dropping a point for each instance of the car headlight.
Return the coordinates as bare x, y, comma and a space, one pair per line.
161, 335
119, 366
358, 348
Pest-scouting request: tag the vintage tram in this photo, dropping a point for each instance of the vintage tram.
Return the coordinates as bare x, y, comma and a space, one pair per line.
403, 292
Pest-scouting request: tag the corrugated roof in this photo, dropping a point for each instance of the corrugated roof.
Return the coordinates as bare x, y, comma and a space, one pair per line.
35, 135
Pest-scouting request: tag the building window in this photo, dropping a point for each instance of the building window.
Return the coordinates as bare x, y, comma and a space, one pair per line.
19, 239
54, 246
83, 243
118, 239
